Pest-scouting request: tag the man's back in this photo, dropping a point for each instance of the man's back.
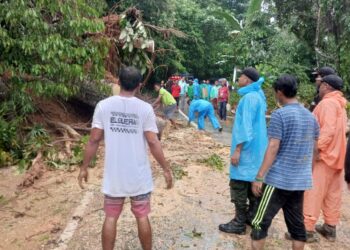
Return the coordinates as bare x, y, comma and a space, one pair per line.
190, 91
124, 120
199, 105
297, 130
167, 98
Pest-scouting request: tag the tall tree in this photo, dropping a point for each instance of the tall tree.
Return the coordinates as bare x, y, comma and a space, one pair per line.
324, 25
44, 52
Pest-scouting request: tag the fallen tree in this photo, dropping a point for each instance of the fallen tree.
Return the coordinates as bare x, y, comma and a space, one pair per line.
128, 44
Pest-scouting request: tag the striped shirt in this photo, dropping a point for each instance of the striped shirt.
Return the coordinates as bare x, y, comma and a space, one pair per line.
297, 130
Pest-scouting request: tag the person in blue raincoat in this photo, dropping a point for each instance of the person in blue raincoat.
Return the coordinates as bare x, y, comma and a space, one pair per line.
249, 143
196, 89
204, 109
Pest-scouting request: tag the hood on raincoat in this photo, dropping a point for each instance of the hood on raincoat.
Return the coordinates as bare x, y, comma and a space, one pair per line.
338, 96
255, 86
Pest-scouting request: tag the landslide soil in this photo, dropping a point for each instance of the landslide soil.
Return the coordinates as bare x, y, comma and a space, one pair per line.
185, 217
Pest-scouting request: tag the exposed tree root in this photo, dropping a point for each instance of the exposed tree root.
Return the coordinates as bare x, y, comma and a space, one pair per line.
35, 172
71, 132
38, 166
82, 129
68, 144
62, 140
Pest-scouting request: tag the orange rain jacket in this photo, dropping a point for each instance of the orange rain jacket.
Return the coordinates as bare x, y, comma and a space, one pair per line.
331, 115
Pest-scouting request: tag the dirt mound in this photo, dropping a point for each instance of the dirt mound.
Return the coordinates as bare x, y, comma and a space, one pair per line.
64, 122
71, 112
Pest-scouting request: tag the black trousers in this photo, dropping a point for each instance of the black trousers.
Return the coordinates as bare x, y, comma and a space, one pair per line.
272, 200
222, 110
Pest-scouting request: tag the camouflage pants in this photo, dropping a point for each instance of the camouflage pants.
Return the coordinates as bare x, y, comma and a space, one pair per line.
243, 197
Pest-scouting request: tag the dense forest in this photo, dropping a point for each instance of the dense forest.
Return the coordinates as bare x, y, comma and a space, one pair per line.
53, 49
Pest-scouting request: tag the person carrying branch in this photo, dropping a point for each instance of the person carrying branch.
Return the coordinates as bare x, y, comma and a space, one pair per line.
168, 101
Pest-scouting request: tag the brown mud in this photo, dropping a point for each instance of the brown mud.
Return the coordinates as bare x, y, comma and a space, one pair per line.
185, 217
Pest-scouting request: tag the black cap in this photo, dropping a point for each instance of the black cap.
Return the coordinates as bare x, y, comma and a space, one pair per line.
324, 71
251, 73
333, 80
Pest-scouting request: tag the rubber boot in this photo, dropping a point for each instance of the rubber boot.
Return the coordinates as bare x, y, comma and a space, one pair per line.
327, 231
311, 237
253, 207
237, 225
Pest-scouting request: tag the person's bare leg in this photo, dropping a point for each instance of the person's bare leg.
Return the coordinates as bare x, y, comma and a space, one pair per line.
173, 123
109, 232
298, 245
258, 244
145, 233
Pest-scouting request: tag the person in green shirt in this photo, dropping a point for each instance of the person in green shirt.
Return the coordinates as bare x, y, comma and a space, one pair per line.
204, 91
190, 92
168, 101
214, 92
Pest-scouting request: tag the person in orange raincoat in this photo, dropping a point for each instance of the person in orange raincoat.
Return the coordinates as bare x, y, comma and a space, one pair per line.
328, 168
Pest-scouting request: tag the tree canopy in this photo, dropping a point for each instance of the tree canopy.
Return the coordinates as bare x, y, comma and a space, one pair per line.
49, 49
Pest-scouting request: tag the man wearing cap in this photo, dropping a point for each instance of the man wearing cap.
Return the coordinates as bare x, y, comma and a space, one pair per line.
249, 142
328, 174
322, 72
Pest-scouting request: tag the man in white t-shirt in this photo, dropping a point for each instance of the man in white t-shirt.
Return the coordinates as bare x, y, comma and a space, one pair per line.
127, 125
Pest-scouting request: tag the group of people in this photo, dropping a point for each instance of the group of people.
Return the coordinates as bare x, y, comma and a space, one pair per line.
295, 164
205, 99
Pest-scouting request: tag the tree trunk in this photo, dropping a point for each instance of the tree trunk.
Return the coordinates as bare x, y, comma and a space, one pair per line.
150, 70
318, 31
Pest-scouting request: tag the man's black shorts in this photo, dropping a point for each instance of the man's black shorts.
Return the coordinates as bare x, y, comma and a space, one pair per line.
272, 200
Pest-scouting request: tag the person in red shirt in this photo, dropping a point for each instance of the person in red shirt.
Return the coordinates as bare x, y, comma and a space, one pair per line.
223, 99
175, 92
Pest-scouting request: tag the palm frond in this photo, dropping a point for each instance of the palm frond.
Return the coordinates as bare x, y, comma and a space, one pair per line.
254, 6
234, 23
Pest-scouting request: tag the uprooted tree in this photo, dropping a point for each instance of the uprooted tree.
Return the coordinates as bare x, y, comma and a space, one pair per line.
58, 50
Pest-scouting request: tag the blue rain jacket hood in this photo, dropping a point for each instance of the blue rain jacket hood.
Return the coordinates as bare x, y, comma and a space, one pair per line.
250, 130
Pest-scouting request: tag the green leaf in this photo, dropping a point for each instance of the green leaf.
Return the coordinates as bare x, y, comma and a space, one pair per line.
234, 23
254, 7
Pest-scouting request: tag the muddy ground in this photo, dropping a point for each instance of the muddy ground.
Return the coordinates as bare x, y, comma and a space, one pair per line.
185, 217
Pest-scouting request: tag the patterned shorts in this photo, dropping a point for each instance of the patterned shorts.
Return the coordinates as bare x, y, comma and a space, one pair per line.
140, 205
